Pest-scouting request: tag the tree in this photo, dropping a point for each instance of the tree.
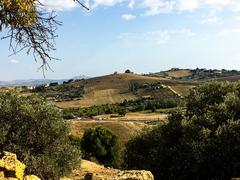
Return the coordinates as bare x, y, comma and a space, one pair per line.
101, 143
203, 143
36, 132
30, 27
122, 111
128, 71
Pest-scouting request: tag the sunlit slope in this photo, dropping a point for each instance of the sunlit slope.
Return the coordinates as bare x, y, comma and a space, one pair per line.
109, 89
124, 130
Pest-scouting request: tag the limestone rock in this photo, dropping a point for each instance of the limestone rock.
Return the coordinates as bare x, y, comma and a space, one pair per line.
12, 169
93, 176
88, 170
31, 177
134, 175
1, 175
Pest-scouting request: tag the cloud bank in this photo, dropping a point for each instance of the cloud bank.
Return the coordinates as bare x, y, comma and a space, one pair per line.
150, 7
59, 5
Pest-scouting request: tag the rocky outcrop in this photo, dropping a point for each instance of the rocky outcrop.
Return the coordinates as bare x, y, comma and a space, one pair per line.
92, 171
11, 168
122, 175
134, 175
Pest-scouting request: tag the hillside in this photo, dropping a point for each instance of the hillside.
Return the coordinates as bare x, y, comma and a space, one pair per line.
124, 130
30, 82
90, 170
116, 88
198, 74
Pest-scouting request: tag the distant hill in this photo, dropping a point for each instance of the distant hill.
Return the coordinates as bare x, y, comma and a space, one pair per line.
82, 91
115, 88
35, 82
30, 82
198, 74
81, 77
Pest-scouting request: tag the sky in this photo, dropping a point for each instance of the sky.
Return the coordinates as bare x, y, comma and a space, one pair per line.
141, 35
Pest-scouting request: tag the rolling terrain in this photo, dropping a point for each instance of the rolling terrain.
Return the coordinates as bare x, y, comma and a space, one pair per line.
123, 130
116, 88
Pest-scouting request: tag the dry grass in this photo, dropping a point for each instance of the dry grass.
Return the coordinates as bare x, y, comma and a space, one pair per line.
229, 78
137, 116
99, 97
124, 130
114, 88
108, 89
88, 166
178, 73
183, 90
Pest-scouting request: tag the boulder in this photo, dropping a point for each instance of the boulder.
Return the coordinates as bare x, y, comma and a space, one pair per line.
12, 169
31, 177
134, 175
11, 166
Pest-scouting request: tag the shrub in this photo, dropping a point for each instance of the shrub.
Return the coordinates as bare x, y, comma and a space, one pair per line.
75, 141
101, 143
204, 143
122, 112
127, 71
35, 131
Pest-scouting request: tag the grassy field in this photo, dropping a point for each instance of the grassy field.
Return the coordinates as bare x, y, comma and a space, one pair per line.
183, 90
124, 130
108, 89
136, 116
178, 73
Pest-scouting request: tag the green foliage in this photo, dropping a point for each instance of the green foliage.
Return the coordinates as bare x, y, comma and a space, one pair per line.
62, 92
121, 108
122, 112
17, 12
75, 141
202, 144
101, 143
35, 131
128, 71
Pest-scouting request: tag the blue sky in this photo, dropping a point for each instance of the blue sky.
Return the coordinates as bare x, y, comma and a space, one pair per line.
142, 35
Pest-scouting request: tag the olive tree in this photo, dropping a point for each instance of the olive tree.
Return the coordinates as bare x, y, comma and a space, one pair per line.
101, 143
203, 143
36, 132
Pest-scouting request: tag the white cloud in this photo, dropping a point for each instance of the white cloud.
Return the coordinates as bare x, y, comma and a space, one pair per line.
59, 5
159, 37
97, 3
236, 5
165, 36
237, 18
155, 7
131, 4
150, 7
229, 31
128, 17
188, 5
14, 61
211, 18
218, 2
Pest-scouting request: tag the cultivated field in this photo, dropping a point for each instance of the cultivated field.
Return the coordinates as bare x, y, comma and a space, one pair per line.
108, 89
135, 116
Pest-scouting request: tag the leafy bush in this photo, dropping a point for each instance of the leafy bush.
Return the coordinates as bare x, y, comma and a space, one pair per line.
101, 143
75, 141
204, 143
35, 131
122, 108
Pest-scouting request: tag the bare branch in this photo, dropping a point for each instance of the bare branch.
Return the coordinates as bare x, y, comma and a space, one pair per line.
38, 36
